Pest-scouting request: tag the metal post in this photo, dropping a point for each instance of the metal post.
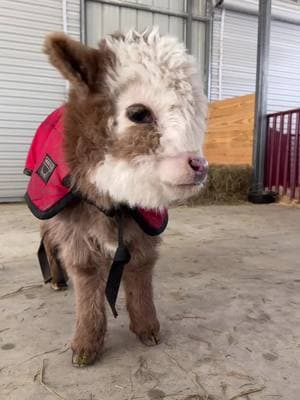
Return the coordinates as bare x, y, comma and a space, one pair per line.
257, 193
189, 24
208, 45
83, 21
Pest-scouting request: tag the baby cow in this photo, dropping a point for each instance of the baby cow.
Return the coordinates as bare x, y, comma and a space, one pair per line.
133, 129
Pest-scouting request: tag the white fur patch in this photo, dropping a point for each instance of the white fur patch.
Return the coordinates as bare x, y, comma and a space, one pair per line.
109, 249
141, 183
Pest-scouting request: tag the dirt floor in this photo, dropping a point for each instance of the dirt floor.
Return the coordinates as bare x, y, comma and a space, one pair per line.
228, 295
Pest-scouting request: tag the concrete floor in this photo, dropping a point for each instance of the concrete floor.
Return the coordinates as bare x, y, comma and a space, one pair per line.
228, 295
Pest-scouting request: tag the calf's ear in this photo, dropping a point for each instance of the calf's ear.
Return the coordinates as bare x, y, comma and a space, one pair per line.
76, 62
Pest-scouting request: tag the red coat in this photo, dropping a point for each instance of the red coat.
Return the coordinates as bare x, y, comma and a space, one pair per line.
47, 191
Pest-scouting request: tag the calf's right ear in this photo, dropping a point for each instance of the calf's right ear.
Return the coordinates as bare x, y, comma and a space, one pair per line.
76, 62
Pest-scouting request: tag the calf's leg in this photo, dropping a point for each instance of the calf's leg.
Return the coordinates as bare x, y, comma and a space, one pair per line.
59, 276
90, 316
139, 298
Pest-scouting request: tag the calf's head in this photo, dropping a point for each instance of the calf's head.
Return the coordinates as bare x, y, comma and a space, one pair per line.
135, 118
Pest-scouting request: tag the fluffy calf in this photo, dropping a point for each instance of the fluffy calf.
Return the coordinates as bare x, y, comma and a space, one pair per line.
133, 130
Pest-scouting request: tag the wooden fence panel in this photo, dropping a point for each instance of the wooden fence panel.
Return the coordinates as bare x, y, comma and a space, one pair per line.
229, 136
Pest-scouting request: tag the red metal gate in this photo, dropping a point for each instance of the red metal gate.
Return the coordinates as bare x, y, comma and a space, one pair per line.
282, 169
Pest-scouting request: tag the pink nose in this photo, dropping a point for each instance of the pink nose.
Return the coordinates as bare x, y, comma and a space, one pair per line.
200, 166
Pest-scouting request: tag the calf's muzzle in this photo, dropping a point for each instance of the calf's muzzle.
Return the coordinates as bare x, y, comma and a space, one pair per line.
200, 167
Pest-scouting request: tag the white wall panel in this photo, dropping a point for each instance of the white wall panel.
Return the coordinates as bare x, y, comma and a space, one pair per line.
163, 22
73, 18
128, 18
284, 77
144, 19
177, 27
198, 32
199, 7
30, 88
102, 19
237, 72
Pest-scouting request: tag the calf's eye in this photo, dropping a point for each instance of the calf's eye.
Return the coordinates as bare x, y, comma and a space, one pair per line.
140, 114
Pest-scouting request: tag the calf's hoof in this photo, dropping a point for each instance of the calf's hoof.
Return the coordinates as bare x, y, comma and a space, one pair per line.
147, 333
59, 286
86, 354
150, 338
83, 360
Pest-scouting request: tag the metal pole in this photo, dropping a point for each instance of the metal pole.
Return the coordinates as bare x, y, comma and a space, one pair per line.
83, 21
189, 24
259, 144
208, 45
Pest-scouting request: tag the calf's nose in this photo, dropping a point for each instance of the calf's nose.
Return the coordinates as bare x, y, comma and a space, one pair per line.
200, 166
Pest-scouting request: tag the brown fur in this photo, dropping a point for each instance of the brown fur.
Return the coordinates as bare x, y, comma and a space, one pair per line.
82, 234
81, 65
136, 141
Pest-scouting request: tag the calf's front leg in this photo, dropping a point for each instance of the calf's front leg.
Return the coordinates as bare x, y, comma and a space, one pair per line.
90, 317
139, 298
59, 276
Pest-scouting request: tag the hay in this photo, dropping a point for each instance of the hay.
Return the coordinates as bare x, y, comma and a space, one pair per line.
285, 200
227, 184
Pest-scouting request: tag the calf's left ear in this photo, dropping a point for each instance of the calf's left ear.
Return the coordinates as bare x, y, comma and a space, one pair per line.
76, 62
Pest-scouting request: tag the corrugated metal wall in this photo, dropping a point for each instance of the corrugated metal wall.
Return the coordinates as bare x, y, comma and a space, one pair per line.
238, 69
284, 74
234, 47
104, 18
73, 18
29, 87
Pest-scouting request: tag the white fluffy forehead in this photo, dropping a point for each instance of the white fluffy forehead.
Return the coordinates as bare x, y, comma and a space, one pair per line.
157, 71
159, 61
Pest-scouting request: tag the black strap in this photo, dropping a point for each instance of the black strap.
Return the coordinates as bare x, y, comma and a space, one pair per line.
45, 266
122, 257
44, 263
109, 213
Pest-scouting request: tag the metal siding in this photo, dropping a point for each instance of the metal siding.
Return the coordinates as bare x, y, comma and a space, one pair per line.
238, 69
163, 22
161, 4
198, 47
282, 10
30, 87
177, 5
177, 27
128, 18
144, 19
199, 7
215, 56
110, 19
284, 77
239, 55
73, 18
103, 19
94, 23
